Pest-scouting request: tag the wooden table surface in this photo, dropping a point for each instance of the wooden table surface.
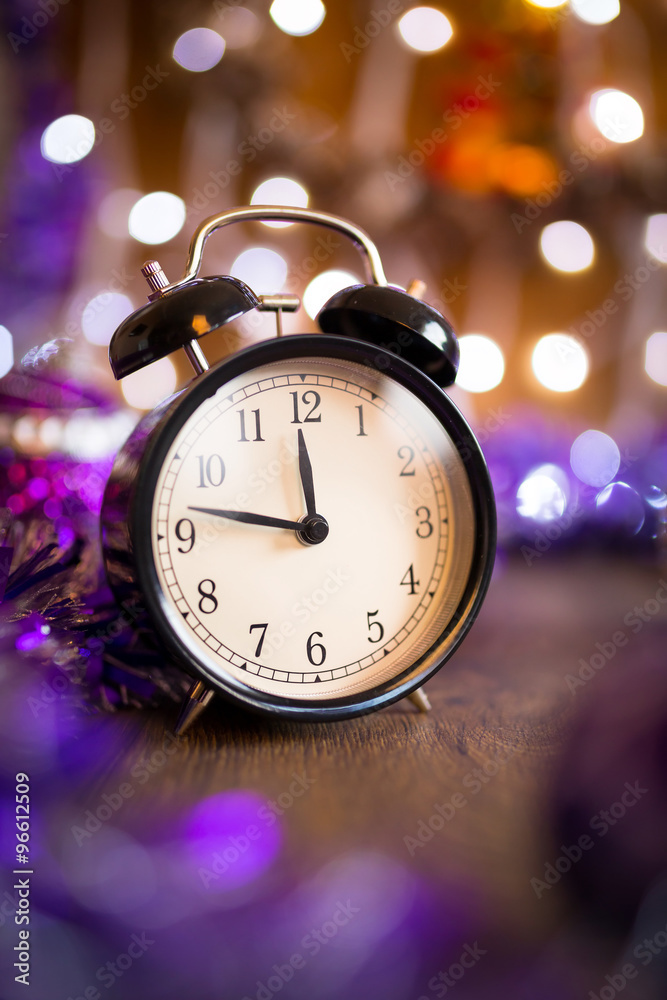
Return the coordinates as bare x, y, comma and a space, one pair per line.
370, 784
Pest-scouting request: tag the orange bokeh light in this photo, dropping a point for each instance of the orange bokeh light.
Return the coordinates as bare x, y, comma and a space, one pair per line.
463, 159
521, 170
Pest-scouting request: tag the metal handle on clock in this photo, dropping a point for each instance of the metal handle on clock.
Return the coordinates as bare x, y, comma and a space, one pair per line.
262, 213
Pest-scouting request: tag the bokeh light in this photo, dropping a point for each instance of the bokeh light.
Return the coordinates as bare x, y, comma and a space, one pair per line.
114, 874
114, 212
655, 361
560, 362
263, 269
89, 437
621, 508
323, 287
103, 314
425, 29
596, 11
543, 494
567, 246
617, 115
297, 17
655, 238
656, 498
6, 350
217, 841
199, 49
280, 191
546, 4
595, 458
149, 386
51, 433
157, 217
520, 169
68, 139
482, 365
242, 27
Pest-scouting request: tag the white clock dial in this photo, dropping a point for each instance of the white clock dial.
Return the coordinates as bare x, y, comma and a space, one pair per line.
314, 619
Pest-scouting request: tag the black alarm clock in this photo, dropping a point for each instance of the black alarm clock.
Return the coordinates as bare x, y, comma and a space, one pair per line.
309, 523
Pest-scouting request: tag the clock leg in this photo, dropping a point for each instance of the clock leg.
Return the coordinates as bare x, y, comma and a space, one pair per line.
420, 699
196, 701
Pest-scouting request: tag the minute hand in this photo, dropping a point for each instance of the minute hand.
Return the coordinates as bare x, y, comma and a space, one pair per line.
306, 474
247, 518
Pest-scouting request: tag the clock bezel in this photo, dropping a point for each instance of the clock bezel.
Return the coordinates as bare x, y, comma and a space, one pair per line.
315, 346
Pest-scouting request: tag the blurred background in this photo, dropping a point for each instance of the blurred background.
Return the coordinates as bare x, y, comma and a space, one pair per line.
509, 154
512, 155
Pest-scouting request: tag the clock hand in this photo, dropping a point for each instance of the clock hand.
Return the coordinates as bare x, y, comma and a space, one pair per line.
306, 473
312, 530
247, 518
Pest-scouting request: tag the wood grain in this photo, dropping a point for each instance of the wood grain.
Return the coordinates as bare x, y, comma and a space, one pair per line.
503, 698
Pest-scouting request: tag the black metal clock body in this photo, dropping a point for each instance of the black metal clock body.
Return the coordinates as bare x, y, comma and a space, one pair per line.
385, 423
310, 524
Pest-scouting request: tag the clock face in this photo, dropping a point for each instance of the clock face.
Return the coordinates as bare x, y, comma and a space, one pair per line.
313, 530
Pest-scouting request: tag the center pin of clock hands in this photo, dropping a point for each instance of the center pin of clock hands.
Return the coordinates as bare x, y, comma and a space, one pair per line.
312, 530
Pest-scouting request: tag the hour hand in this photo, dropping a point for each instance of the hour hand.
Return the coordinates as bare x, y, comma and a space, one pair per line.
306, 473
248, 518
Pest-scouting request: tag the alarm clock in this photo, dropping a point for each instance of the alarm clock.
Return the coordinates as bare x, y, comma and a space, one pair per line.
309, 524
